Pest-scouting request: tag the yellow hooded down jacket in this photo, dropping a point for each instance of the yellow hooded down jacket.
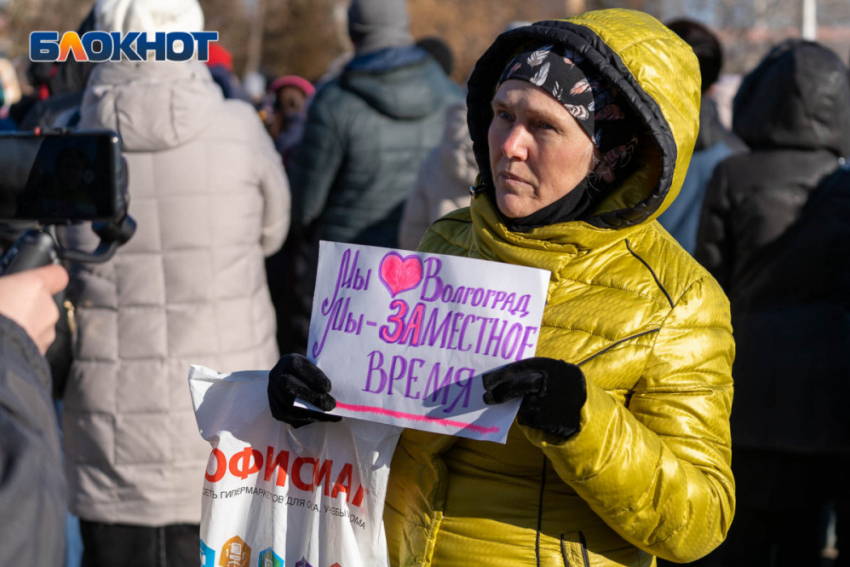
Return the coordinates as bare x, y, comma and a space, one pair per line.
648, 474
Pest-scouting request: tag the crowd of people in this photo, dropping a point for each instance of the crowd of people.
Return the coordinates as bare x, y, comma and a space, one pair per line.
687, 261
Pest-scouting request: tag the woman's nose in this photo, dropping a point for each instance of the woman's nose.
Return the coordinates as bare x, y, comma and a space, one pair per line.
515, 144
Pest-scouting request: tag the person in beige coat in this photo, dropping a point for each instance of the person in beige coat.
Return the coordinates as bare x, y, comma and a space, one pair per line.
211, 199
443, 182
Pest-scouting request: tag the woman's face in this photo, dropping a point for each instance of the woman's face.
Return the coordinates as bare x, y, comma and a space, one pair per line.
290, 100
538, 152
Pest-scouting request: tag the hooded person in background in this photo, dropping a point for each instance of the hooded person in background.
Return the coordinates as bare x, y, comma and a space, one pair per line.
443, 182
779, 245
582, 130
367, 132
714, 142
440, 51
210, 197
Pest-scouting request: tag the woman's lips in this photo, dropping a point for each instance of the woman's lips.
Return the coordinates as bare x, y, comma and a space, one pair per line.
511, 179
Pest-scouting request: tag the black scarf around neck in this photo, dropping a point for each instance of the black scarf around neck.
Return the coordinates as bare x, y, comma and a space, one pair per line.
575, 205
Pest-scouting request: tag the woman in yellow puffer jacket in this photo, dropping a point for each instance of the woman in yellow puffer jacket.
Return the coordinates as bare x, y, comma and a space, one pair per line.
621, 451
582, 131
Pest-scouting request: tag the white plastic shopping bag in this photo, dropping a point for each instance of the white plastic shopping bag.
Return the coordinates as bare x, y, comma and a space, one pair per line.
274, 495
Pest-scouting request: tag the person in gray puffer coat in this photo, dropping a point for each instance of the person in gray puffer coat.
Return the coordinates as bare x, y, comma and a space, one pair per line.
367, 132
210, 197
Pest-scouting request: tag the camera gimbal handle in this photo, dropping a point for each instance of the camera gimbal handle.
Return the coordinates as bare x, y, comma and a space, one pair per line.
112, 235
37, 247
33, 249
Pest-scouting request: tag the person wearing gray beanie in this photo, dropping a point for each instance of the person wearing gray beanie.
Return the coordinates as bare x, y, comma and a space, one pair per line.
377, 24
367, 132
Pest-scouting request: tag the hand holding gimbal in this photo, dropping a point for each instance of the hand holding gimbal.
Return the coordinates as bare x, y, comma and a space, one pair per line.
27, 299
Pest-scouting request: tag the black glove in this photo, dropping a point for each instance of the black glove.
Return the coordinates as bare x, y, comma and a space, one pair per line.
294, 376
552, 391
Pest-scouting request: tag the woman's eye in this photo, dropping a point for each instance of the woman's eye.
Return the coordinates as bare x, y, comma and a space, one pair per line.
503, 115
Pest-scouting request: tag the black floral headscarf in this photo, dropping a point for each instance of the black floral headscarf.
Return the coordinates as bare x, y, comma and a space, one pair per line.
590, 99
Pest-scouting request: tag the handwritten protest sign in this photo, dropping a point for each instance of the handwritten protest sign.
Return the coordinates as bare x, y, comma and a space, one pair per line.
404, 337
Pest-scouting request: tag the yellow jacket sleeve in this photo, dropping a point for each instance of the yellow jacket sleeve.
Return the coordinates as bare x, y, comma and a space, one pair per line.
657, 469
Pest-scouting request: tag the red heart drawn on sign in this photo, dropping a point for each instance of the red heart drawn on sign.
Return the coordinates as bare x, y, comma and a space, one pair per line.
400, 274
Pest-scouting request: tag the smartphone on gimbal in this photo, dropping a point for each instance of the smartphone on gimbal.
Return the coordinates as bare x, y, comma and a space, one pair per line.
62, 177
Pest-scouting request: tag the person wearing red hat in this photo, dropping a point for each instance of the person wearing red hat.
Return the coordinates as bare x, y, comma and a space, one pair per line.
220, 64
286, 114
290, 95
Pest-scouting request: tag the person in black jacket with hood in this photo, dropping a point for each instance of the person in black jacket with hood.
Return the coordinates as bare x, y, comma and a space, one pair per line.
774, 232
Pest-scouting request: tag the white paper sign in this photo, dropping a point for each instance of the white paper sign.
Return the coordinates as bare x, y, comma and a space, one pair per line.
405, 336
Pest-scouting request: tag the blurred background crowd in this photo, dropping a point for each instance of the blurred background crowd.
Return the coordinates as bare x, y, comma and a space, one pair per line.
303, 37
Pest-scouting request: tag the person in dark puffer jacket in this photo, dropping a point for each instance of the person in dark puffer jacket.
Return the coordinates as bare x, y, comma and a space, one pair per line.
781, 256
366, 134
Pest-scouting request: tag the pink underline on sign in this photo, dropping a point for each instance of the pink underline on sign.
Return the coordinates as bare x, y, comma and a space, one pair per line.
414, 417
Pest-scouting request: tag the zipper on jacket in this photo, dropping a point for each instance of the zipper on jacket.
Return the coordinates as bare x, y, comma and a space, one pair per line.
651, 271
72, 317
583, 543
621, 341
584, 556
564, 552
540, 512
